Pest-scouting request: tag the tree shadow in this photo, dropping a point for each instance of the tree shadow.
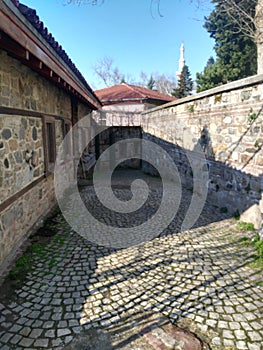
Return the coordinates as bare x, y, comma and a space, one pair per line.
210, 274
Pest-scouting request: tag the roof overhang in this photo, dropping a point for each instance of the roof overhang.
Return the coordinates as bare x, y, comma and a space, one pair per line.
21, 40
133, 100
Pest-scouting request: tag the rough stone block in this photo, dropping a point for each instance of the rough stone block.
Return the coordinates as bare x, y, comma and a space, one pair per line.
253, 215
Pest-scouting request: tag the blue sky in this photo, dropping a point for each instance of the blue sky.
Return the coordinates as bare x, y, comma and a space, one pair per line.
129, 32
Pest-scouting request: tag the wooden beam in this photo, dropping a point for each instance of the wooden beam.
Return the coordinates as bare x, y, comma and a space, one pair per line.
20, 193
17, 51
12, 25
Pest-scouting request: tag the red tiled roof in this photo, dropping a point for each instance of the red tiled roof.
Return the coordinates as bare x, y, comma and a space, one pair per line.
130, 93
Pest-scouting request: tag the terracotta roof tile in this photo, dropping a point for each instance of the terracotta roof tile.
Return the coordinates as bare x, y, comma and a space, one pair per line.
128, 93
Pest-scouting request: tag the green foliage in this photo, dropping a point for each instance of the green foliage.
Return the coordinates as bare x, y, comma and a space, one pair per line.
191, 108
236, 53
185, 84
245, 226
258, 243
218, 98
21, 267
236, 215
151, 83
211, 77
252, 117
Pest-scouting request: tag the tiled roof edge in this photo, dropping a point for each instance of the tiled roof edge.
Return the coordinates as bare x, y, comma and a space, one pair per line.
31, 15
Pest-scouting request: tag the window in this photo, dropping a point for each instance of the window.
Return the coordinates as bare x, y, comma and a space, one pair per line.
67, 143
49, 143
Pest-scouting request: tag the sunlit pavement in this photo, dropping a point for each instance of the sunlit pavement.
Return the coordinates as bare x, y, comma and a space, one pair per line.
198, 279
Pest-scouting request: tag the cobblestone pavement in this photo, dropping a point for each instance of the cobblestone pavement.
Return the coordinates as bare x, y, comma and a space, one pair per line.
198, 279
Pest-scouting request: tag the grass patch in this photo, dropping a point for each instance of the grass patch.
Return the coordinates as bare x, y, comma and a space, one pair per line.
60, 240
21, 267
254, 242
245, 226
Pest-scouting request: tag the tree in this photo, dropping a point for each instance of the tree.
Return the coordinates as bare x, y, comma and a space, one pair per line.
185, 84
165, 84
246, 17
236, 51
107, 72
211, 77
151, 83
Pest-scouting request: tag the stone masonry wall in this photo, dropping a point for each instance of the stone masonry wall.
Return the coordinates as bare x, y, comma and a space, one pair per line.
113, 135
24, 89
26, 190
226, 122
19, 137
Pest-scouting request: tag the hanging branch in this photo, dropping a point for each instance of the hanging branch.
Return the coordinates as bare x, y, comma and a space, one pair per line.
243, 19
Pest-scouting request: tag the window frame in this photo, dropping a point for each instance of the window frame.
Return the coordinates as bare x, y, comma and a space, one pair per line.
66, 127
49, 125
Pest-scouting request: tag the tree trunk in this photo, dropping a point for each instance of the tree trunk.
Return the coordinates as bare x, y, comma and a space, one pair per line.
259, 35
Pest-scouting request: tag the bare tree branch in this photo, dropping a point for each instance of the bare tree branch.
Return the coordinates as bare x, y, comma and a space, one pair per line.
243, 19
106, 71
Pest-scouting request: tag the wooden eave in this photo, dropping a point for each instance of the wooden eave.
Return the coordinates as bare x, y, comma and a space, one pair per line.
21, 40
137, 100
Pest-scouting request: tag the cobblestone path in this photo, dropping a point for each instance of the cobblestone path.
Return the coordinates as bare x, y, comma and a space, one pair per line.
198, 279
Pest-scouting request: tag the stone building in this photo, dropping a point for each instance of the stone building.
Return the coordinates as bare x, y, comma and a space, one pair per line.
124, 103
42, 94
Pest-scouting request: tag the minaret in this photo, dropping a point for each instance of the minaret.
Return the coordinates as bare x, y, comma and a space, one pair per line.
181, 62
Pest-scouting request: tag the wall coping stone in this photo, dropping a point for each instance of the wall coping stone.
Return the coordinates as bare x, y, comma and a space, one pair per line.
234, 85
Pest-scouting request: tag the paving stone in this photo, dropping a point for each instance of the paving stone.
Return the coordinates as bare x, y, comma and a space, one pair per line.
254, 336
211, 323
234, 325
50, 333
16, 339
216, 341
62, 332
5, 347
6, 337
36, 333
16, 328
188, 276
240, 334
26, 342
228, 342
228, 334
41, 343
256, 325
254, 346
48, 324
241, 345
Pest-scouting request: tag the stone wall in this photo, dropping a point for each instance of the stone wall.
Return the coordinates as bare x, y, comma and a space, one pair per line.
24, 89
112, 136
19, 137
26, 185
119, 115
226, 124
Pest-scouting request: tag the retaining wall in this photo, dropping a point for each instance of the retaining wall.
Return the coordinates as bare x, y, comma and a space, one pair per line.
226, 124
